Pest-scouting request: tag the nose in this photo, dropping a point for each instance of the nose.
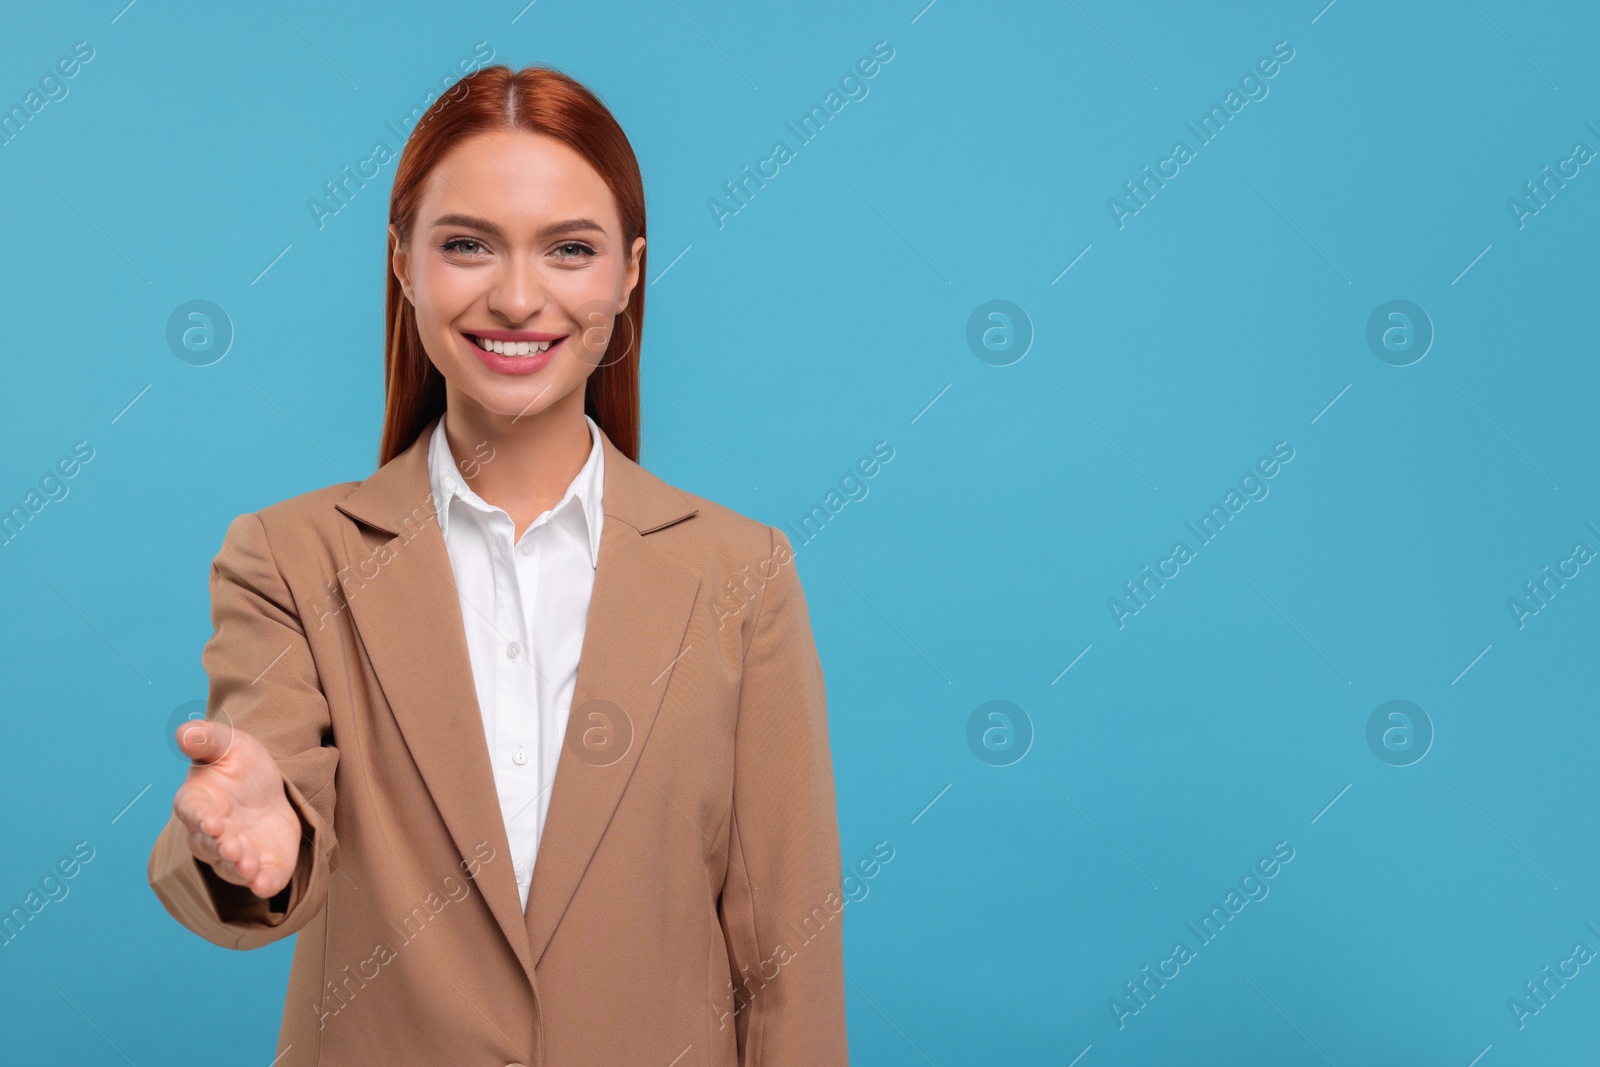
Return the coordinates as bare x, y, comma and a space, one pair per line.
517, 292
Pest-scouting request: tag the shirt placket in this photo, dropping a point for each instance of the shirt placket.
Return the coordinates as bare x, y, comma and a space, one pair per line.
527, 555
516, 719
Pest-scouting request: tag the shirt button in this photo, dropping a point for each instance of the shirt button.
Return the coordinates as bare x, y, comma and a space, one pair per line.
513, 650
522, 874
527, 548
519, 757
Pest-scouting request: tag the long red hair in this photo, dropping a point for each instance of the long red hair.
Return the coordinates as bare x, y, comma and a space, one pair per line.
538, 100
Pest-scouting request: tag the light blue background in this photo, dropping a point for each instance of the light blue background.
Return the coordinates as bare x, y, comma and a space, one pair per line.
828, 315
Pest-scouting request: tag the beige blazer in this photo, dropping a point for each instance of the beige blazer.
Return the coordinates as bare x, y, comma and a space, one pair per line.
685, 906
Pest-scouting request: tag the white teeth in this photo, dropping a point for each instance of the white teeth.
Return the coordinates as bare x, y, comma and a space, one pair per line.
513, 348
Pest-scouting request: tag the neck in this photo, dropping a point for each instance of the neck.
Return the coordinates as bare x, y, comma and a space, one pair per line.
520, 463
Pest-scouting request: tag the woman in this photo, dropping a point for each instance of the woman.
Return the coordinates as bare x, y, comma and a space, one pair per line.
513, 661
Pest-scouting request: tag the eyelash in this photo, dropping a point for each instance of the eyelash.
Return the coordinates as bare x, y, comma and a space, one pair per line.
453, 244
577, 244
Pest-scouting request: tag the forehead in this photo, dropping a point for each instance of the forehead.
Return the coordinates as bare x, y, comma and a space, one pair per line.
519, 181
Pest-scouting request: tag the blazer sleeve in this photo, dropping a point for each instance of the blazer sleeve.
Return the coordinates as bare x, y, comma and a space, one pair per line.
263, 678
780, 907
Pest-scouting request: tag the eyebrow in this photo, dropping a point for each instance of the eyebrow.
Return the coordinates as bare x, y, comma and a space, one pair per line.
555, 229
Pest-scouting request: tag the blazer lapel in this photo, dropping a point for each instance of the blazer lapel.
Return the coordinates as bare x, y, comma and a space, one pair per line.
402, 596
638, 616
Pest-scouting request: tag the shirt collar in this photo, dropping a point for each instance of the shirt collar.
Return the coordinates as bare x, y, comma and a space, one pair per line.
445, 479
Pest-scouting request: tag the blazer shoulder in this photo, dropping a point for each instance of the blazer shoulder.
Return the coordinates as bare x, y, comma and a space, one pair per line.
715, 532
298, 522
314, 508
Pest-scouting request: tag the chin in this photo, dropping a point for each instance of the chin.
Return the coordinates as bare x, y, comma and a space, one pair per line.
526, 398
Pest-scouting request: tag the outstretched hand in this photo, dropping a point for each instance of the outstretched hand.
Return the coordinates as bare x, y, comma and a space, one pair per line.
234, 805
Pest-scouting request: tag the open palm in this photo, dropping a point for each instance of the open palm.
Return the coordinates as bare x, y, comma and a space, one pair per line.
233, 803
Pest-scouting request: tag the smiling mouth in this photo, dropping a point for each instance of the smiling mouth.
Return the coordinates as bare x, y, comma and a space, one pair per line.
512, 349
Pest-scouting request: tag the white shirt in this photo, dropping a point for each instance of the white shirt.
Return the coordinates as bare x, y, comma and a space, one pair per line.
525, 606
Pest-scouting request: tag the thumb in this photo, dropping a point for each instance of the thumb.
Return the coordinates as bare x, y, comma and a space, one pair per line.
205, 741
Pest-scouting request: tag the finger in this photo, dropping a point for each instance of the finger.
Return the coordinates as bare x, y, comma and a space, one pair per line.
228, 871
266, 882
243, 854
204, 741
208, 818
195, 806
204, 847
258, 875
248, 866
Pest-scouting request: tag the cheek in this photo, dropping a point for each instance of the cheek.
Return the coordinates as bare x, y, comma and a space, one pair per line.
582, 290
587, 300
442, 291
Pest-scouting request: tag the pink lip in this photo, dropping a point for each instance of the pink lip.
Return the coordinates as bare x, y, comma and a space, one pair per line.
515, 364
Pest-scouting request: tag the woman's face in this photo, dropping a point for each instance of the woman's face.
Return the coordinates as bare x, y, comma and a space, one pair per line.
516, 246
